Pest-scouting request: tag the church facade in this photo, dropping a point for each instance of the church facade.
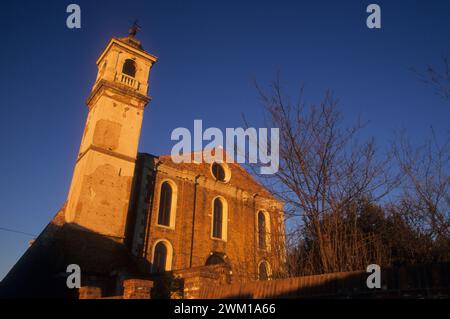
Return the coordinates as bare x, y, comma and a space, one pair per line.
136, 215
201, 214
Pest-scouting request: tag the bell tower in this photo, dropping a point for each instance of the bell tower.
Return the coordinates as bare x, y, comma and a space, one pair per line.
100, 190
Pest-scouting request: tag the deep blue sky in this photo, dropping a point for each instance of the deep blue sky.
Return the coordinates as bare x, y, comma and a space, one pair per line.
210, 52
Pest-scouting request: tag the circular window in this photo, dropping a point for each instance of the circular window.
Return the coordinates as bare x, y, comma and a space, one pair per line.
220, 172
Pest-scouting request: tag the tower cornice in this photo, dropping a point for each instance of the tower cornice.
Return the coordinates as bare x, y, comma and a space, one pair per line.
133, 50
121, 89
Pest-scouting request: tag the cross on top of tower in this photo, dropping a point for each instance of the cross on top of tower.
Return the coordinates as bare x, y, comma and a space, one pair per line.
133, 30
131, 37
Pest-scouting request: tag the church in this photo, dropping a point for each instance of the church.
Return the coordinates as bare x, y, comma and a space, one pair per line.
132, 218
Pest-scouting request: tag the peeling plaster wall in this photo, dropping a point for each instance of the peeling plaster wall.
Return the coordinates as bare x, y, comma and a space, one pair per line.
99, 198
103, 202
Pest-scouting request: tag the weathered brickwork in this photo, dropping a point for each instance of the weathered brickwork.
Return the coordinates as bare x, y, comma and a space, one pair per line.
89, 292
137, 289
116, 192
190, 237
109, 225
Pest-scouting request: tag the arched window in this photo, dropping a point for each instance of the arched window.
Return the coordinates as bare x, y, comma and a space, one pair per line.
165, 205
162, 256
262, 230
263, 271
218, 172
129, 68
217, 218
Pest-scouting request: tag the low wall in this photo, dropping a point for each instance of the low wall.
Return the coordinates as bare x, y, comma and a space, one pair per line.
132, 289
215, 282
418, 281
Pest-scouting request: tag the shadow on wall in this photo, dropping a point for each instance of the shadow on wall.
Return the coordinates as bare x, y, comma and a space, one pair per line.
41, 271
104, 261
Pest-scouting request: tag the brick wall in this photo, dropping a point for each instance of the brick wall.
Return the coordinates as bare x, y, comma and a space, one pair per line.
191, 237
213, 282
132, 289
137, 289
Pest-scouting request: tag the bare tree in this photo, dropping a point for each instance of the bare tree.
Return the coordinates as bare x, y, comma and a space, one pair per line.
437, 77
425, 201
324, 176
